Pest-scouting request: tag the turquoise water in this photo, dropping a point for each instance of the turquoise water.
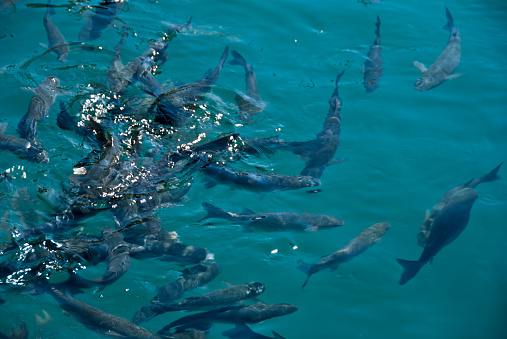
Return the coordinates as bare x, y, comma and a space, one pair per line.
403, 149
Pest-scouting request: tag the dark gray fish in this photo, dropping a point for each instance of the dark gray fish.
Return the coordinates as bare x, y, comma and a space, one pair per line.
373, 64
160, 45
118, 261
275, 221
103, 15
214, 299
445, 223
252, 103
56, 41
257, 181
42, 100
97, 320
242, 331
445, 64
169, 107
319, 153
356, 246
252, 314
191, 278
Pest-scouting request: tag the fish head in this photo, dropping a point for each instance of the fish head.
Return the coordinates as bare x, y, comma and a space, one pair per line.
424, 83
256, 288
308, 181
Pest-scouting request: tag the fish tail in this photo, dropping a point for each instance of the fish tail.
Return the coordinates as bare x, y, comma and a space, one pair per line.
237, 59
377, 31
410, 269
50, 9
450, 21
491, 176
309, 269
214, 212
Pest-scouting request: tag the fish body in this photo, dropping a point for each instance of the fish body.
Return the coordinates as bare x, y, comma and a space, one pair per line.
41, 102
100, 19
168, 107
445, 64
251, 314
118, 261
275, 221
252, 104
56, 41
319, 153
97, 320
445, 223
257, 181
214, 299
373, 63
356, 246
147, 80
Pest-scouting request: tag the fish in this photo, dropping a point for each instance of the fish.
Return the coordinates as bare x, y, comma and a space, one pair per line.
169, 107
373, 64
251, 314
318, 153
356, 246
56, 41
256, 182
41, 102
445, 223
191, 278
275, 221
252, 103
100, 19
97, 320
118, 261
213, 299
445, 64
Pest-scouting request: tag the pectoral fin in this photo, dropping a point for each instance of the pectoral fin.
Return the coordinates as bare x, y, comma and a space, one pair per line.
420, 66
452, 76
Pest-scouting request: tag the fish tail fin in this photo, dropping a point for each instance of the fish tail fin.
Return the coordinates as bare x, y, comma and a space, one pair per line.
450, 21
213, 76
214, 212
50, 9
308, 269
377, 31
490, 176
237, 59
410, 269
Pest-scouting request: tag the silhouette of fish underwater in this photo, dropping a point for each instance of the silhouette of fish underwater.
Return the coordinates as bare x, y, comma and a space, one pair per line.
150, 145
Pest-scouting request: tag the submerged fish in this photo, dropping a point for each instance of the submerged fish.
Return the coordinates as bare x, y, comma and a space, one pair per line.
169, 107
97, 320
242, 331
445, 64
56, 40
257, 181
445, 223
226, 296
252, 104
319, 153
356, 246
100, 19
373, 63
251, 314
275, 221
44, 97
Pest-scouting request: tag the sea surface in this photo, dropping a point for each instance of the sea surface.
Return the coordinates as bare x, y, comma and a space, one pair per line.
400, 151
